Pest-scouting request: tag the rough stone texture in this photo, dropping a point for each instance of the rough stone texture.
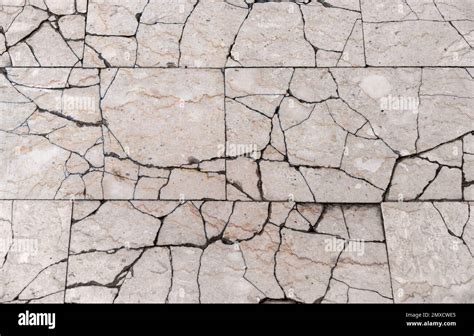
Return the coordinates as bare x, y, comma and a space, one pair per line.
333, 129
51, 143
428, 263
238, 252
276, 134
192, 33
223, 251
407, 39
189, 151
34, 249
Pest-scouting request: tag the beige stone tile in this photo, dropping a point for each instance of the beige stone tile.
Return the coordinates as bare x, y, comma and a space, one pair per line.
52, 144
35, 237
414, 43
428, 264
50, 33
329, 135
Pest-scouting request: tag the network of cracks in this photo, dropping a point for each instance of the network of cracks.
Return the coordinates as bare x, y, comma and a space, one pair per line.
236, 151
223, 251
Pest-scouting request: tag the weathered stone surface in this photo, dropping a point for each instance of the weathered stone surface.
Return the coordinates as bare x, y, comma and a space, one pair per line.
246, 220
446, 185
34, 39
113, 17
100, 268
273, 34
304, 273
48, 143
32, 154
365, 268
183, 226
165, 106
149, 280
410, 178
185, 264
259, 255
369, 159
364, 222
107, 226
387, 98
334, 30
222, 276
333, 185
406, 43
427, 263
318, 128
347, 261
190, 151
203, 34
34, 248
282, 182
209, 33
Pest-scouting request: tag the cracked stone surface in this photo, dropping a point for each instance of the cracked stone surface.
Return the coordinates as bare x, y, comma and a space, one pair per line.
349, 135
239, 251
202, 33
236, 151
34, 249
436, 270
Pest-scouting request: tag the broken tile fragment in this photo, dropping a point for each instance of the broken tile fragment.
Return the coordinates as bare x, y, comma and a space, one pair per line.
410, 43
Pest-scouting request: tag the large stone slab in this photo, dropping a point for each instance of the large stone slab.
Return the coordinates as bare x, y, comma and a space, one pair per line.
168, 126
